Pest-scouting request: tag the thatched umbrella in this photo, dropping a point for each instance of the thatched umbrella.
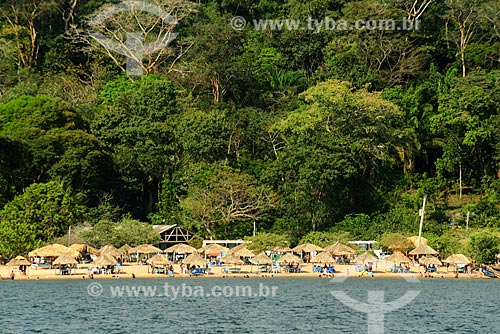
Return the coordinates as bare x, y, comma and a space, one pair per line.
159, 261
231, 259
307, 248
365, 257
414, 240
110, 250
457, 259
104, 261
280, 249
430, 260
241, 252
181, 248
213, 249
84, 248
194, 259
398, 257
145, 249
423, 249
65, 259
262, 259
125, 248
339, 249
54, 250
323, 257
19, 261
290, 258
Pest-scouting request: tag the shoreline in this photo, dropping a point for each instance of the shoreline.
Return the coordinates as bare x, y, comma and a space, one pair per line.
137, 271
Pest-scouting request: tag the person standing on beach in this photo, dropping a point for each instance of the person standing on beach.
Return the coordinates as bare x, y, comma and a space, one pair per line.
12, 275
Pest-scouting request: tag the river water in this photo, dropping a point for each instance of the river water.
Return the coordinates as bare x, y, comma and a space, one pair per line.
239, 305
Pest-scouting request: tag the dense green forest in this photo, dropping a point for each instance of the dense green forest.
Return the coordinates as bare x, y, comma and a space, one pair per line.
300, 131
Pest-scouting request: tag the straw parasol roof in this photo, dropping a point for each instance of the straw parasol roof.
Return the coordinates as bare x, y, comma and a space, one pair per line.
213, 248
398, 257
244, 252
262, 258
125, 248
323, 257
280, 249
307, 248
365, 257
414, 240
339, 249
110, 250
104, 261
232, 259
54, 250
423, 249
159, 260
83, 248
19, 261
194, 259
181, 248
289, 257
65, 259
457, 259
430, 260
145, 249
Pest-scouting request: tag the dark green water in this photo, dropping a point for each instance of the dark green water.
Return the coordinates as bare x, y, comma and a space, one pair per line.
300, 305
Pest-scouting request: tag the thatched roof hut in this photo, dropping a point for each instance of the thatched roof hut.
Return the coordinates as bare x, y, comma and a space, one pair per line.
398, 257
241, 252
54, 250
339, 249
423, 249
181, 248
365, 257
110, 250
159, 261
104, 261
145, 249
430, 260
231, 259
19, 261
457, 259
290, 258
323, 257
307, 248
262, 259
194, 259
65, 259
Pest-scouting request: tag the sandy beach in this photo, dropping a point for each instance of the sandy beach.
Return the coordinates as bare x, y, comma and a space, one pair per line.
129, 270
